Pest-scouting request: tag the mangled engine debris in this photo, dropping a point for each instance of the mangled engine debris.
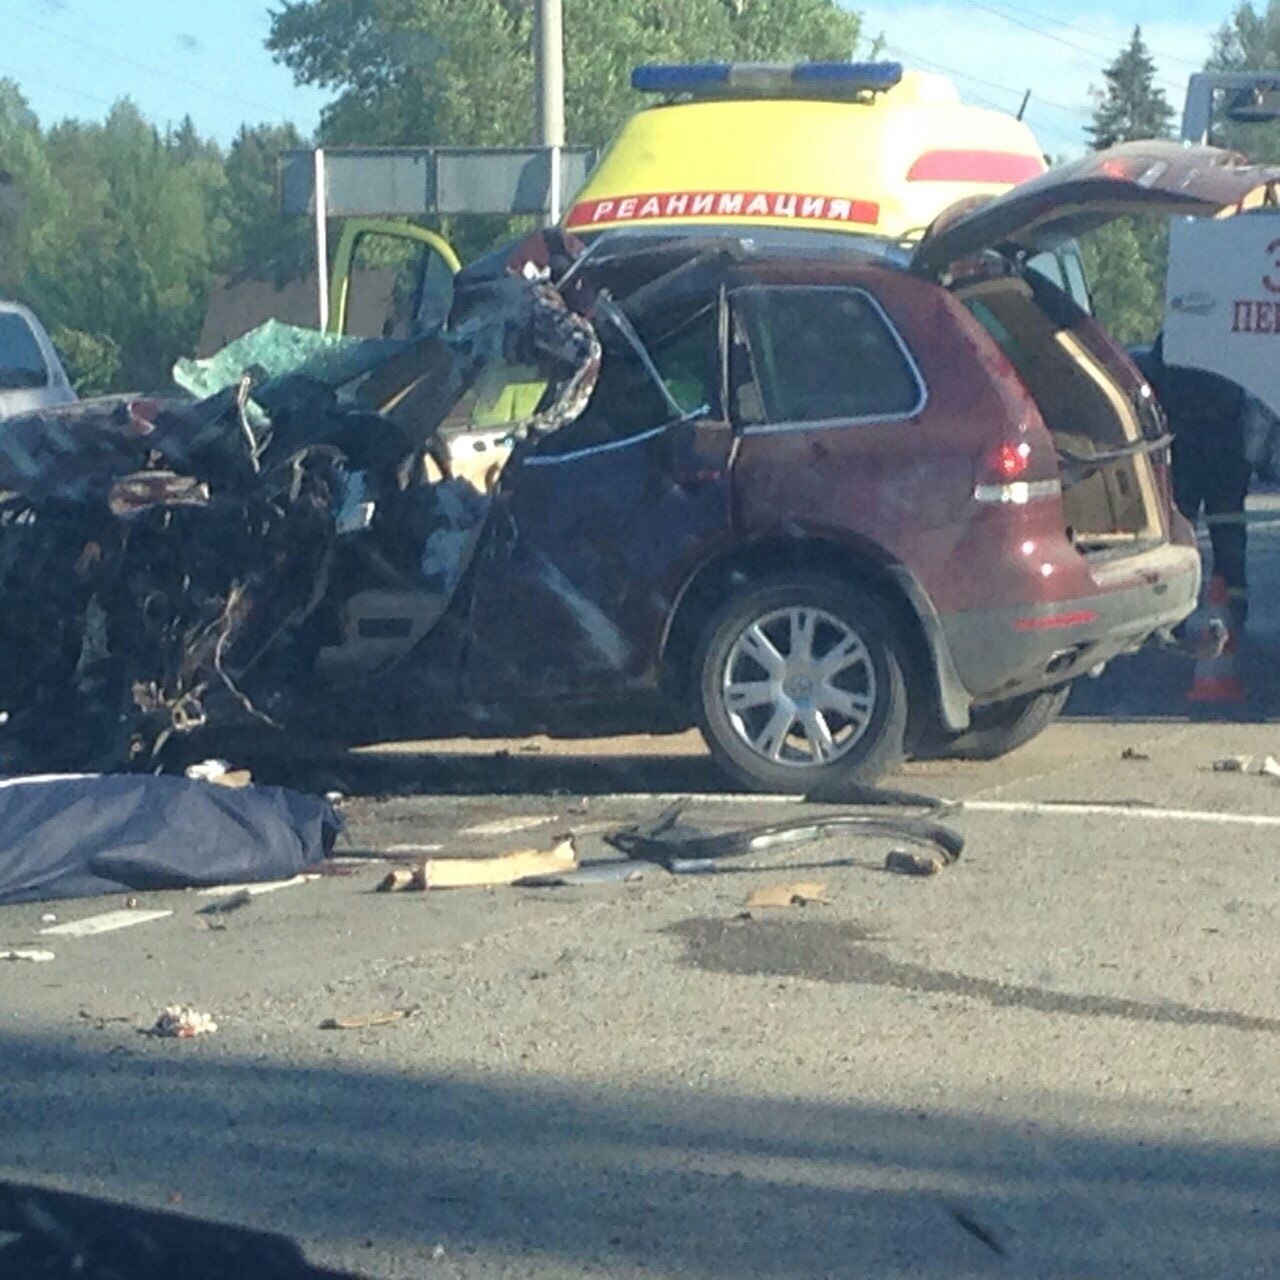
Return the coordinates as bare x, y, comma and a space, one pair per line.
168, 564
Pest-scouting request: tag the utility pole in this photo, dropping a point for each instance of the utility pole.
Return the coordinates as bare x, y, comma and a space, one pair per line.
548, 18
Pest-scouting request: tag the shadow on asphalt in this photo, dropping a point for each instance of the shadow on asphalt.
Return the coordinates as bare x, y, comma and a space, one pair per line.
602, 1180
495, 773
1154, 685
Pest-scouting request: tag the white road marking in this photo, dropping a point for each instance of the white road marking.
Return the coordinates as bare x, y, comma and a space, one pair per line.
108, 922
693, 797
413, 848
1058, 808
1055, 808
508, 826
261, 886
27, 953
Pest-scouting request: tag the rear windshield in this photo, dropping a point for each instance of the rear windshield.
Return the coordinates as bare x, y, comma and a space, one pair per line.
22, 362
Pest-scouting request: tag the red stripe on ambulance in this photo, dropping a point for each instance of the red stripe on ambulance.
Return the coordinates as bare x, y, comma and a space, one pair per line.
724, 204
975, 166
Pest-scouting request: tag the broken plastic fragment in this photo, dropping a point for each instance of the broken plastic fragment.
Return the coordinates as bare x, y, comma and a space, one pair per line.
181, 1022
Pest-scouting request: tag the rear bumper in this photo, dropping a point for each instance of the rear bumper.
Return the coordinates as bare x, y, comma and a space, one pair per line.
1004, 652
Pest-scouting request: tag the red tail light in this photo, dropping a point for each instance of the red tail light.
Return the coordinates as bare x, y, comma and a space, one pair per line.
1010, 461
1003, 475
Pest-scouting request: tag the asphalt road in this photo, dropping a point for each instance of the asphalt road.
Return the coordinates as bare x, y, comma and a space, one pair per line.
1055, 1059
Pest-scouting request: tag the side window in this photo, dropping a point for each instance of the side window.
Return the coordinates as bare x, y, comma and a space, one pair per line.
819, 355
22, 363
398, 287
1046, 264
682, 348
1077, 285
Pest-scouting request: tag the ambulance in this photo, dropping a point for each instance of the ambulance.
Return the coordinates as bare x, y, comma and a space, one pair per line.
831, 146
843, 148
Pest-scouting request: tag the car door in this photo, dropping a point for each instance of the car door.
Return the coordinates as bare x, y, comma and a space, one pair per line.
390, 279
596, 527
836, 439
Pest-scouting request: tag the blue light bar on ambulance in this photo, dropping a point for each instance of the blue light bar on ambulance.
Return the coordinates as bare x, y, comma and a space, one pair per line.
767, 79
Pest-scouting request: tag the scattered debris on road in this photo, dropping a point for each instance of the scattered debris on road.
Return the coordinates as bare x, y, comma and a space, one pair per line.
359, 1022
675, 844
801, 894
27, 953
101, 1021
80, 836
470, 873
1268, 766
224, 906
912, 864
396, 880
181, 1022
1133, 753
979, 1230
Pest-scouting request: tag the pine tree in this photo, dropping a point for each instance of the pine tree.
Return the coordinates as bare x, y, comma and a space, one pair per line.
1125, 260
1132, 106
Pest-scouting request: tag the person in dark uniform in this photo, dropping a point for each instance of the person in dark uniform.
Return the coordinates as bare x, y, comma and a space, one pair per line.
1210, 466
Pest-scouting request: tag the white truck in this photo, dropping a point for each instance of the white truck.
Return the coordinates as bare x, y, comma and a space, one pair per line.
1222, 294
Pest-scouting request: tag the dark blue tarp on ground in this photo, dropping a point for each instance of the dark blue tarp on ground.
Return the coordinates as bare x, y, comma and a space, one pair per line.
74, 837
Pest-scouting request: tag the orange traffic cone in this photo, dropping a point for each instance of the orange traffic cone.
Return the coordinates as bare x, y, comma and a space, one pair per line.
1217, 674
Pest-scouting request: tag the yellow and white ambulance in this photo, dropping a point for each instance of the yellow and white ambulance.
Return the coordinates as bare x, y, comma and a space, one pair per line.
861, 147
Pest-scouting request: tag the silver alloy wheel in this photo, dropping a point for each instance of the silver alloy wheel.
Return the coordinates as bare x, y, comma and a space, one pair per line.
799, 687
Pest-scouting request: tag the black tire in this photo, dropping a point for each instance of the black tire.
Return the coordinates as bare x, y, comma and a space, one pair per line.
865, 752
1005, 726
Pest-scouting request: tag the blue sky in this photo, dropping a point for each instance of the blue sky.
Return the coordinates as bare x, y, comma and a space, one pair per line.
172, 57
997, 49
74, 57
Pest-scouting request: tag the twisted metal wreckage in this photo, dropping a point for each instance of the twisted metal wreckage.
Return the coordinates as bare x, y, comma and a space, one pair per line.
167, 564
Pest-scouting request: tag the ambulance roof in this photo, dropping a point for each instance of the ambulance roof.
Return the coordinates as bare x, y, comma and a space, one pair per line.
863, 147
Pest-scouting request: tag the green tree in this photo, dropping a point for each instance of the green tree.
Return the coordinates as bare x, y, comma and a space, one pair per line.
131, 260
36, 204
92, 360
1125, 269
1249, 41
440, 72
261, 240
1126, 260
1132, 105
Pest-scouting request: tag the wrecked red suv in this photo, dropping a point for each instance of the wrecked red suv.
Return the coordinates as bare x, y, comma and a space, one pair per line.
867, 501
832, 499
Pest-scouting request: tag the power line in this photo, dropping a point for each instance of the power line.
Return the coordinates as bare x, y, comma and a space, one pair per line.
1093, 35
157, 71
25, 77
1049, 35
1079, 112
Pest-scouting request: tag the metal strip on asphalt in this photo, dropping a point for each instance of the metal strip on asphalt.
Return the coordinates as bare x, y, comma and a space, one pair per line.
108, 922
1056, 808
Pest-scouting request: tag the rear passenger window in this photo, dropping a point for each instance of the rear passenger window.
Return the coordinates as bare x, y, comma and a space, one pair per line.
821, 355
21, 360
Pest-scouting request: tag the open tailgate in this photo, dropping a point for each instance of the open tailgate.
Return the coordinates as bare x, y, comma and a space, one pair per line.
1157, 177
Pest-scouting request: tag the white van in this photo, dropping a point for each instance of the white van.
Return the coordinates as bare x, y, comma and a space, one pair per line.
31, 375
